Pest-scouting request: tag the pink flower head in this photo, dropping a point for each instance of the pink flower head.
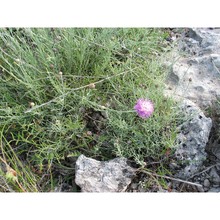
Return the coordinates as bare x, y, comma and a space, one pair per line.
144, 108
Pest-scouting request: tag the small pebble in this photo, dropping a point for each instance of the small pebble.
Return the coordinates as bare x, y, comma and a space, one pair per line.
104, 114
206, 183
59, 37
200, 188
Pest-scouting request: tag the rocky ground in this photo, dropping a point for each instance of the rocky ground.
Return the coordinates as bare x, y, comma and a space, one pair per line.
194, 166
195, 76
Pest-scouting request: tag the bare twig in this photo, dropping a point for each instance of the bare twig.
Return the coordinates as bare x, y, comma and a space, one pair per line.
171, 178
208, 168
3, 160
216, 68
75, 89
23, 190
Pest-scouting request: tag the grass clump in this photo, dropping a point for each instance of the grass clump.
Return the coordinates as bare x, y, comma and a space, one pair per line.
64, 92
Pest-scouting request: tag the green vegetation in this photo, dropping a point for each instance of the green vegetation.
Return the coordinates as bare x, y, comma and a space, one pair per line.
66, 92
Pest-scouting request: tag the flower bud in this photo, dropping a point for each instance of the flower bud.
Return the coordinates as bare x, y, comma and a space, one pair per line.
31, 104
92, 86
89, 133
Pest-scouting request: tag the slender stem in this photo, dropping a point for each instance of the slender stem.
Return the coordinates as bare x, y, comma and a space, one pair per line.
3, 160
208, 168
20, 186
171, 178
75, 89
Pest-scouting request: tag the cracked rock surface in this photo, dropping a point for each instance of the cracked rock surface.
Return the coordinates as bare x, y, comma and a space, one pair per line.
194, 80
99, 176
195, 75
192, 139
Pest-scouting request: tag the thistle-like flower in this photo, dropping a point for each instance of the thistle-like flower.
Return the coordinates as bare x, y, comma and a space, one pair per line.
144, 108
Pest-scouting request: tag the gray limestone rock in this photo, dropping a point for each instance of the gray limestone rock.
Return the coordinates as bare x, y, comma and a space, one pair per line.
191, 140
196, 74
206, 183
98, 176
202, 40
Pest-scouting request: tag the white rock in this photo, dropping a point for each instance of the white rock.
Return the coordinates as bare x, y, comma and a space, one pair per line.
197, 74
98, 176
206, 183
